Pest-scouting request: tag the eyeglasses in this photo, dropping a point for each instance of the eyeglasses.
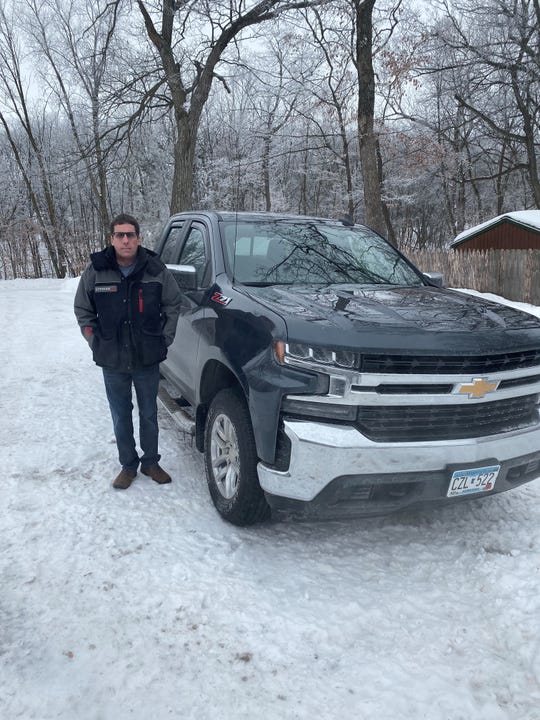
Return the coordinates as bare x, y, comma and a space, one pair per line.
120, 235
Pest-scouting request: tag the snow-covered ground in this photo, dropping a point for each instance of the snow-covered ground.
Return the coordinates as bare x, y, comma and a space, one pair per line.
144, 604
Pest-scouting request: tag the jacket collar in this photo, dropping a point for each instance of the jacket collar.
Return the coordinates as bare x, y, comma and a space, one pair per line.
146, 260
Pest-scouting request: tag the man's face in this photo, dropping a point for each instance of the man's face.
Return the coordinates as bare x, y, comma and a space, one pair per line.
125, 241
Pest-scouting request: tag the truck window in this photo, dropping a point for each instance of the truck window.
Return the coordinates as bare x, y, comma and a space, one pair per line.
268, 252
194, 253
171, 249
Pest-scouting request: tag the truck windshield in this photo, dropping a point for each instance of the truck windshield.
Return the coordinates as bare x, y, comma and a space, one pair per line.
288, 252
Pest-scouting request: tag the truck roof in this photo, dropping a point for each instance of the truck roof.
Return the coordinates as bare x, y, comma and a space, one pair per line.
232, 215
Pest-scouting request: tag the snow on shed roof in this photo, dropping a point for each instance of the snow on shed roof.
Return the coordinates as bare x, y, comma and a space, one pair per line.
527, 218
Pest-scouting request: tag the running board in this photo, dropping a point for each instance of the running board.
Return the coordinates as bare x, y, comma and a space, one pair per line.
180, 414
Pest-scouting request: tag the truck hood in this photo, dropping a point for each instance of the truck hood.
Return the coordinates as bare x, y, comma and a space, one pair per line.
410, 316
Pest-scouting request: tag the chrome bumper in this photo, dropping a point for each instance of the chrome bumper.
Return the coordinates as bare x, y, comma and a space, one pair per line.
322, 452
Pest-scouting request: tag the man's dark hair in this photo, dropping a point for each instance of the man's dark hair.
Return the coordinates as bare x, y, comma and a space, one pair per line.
122, 219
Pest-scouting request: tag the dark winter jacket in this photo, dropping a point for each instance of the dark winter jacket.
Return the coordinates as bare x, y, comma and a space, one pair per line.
128, 321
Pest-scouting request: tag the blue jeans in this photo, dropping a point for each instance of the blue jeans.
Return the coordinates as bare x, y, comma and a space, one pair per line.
118, 388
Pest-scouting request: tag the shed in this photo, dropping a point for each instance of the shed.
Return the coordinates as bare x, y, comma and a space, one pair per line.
512, 231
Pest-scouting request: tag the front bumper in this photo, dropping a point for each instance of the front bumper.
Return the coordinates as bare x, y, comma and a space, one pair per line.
334, 470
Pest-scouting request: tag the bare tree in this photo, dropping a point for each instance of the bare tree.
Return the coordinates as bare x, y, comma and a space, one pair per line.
15, 116
188, 78
356, 41
274, 110
332, 85
75, 44
465, 168
499, 42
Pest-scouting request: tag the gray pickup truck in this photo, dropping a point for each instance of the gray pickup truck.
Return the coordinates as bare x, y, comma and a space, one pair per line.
323, 375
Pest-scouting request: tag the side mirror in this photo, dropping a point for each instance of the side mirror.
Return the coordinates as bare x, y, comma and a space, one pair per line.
185, 276
434, 278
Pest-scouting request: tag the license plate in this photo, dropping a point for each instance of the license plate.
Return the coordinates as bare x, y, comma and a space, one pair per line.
473, 480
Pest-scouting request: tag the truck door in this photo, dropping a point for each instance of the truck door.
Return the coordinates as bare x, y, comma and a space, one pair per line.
182, 356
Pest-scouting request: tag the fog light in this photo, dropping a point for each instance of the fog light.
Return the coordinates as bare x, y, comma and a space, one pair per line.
323, 411
338, 386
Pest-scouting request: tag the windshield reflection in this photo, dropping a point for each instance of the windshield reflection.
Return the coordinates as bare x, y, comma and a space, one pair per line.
278, 252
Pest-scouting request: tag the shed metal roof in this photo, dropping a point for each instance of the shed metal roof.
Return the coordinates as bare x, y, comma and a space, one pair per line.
526, 218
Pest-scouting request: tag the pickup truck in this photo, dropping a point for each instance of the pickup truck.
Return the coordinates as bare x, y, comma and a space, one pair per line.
323, 375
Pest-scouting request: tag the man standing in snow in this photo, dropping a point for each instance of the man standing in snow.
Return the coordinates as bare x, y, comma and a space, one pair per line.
127, 305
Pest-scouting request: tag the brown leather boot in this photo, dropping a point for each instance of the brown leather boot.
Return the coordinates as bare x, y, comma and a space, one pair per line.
157, 474
124, 479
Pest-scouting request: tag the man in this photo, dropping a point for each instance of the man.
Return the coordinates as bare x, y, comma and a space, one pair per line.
127, 305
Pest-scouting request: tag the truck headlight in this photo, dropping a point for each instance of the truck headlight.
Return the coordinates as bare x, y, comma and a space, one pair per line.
294, 353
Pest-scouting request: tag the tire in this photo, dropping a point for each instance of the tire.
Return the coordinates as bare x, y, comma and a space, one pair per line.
231, 461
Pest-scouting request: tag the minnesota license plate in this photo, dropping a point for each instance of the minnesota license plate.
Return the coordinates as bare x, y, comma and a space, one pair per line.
473, 480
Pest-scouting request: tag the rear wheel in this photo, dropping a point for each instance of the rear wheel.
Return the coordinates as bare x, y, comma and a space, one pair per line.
231, 461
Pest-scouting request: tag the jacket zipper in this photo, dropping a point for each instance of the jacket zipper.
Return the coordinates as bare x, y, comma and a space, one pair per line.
141, 305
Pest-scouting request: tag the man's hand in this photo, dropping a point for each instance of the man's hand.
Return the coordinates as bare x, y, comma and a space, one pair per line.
88, 333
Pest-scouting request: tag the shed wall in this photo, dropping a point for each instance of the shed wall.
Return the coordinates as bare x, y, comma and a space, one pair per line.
504, 236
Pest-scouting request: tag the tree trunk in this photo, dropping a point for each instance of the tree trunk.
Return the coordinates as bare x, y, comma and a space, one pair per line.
524, 104
184, 160
266, 173
367, 139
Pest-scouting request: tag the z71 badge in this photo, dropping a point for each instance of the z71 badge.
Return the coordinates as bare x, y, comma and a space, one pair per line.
221, 299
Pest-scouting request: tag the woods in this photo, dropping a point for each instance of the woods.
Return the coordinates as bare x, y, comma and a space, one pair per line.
417, 119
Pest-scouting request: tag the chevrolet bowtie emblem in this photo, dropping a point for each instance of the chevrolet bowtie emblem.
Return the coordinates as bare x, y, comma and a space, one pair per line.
478, 387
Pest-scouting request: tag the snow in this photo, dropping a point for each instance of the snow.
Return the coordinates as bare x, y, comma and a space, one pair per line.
145, 604
530, 218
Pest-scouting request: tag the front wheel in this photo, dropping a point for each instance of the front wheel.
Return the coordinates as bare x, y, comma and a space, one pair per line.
231, 461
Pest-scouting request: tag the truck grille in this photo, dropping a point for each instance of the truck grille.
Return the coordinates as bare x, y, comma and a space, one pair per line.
447, 422
449, 365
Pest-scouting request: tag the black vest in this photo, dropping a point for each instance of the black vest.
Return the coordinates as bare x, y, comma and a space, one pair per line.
130, 322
